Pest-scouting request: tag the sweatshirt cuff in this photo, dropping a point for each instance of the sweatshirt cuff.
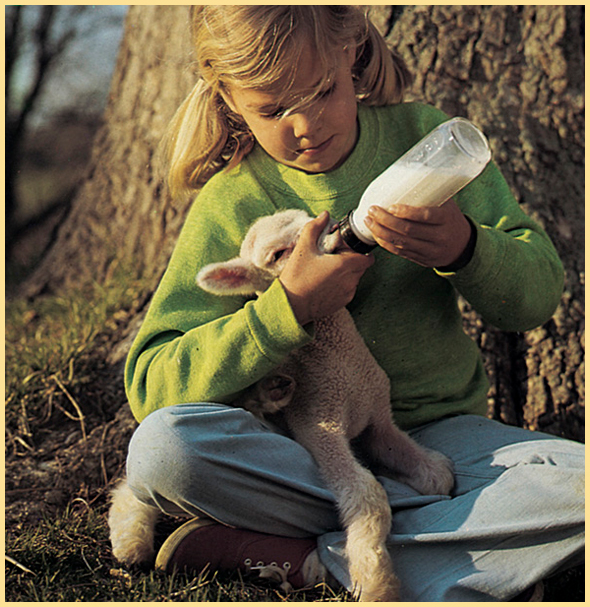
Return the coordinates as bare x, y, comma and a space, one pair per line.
273, 324
466, 255
485, 250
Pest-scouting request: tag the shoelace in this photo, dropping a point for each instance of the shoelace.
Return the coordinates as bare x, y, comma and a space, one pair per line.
272, 572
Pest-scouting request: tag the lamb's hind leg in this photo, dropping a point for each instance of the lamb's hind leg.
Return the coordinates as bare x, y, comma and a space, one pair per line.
426, 470
131, 524
364, 512
366, 516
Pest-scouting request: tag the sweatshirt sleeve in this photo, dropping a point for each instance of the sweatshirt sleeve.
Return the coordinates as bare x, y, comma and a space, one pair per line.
515, 277
197, 347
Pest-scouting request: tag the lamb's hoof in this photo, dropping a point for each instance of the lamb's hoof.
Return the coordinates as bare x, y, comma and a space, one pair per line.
277, 389
133, 552
372, 573
387, 592
268, 396
435, 474
271, 394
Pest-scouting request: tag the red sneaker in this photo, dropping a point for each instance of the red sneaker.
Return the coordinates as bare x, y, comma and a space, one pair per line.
202, 542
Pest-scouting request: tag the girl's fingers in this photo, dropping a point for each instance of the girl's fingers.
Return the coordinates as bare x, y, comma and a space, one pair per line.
414, 225
421, 257
429, 236
383, 233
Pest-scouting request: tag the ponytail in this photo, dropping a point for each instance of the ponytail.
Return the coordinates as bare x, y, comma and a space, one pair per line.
381, 76
203, 137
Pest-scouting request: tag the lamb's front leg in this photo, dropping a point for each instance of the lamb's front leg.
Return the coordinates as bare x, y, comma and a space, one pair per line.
427, 471
267, 396
364, 512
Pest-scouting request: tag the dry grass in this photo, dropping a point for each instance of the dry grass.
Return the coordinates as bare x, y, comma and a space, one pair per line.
67, 429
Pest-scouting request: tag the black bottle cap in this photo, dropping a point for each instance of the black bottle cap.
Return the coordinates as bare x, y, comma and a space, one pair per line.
351, 239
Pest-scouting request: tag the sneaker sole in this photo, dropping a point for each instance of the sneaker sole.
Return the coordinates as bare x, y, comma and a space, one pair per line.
169, 547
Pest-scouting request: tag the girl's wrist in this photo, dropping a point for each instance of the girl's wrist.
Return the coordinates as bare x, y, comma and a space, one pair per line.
467, 254
299, 306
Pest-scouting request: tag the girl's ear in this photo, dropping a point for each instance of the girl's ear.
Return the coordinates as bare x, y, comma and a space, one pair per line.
350, 55
226, 96
233, 277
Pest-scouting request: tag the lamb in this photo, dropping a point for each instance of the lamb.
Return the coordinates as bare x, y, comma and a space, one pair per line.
326, 394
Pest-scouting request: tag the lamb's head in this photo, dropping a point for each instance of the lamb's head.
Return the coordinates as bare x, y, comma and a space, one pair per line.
264, 252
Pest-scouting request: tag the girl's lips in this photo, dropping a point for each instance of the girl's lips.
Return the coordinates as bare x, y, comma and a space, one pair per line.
312, 151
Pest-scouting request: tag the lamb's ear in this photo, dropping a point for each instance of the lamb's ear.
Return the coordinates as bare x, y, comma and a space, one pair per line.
233, 277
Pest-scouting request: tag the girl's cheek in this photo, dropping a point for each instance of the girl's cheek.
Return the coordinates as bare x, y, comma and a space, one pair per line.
284, 136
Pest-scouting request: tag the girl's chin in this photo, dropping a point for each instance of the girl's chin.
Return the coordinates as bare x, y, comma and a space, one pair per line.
322, 161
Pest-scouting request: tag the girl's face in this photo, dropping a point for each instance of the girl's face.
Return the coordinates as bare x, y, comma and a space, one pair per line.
316, 138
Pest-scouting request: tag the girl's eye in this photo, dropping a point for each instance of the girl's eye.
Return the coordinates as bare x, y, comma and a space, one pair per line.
273, 114
279, 112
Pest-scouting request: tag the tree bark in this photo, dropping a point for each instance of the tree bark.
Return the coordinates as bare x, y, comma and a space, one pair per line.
121, 212
516, 71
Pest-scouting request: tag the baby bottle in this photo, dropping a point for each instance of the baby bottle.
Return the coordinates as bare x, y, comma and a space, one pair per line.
428, 174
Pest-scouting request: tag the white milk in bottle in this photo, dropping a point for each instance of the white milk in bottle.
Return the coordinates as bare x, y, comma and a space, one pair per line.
428, 174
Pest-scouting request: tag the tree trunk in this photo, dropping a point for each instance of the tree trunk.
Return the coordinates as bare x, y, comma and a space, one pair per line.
516, 71
122, 212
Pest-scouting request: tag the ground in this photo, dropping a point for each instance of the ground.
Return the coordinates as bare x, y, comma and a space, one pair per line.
67, 429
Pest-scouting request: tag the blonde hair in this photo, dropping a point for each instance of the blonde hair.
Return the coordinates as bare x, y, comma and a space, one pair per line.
257, 46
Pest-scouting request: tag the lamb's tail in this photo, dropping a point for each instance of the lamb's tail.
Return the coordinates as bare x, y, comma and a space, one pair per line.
131, 524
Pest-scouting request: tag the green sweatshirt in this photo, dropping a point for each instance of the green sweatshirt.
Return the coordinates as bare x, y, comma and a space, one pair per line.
198, 347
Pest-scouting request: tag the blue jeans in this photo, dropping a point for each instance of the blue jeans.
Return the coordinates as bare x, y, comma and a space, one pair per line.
516, 514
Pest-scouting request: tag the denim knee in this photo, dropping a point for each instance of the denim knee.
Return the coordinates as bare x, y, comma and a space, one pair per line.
157, 460
224, 462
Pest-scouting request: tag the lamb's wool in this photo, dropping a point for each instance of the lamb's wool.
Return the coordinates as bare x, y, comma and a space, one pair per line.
328, 392
338, 391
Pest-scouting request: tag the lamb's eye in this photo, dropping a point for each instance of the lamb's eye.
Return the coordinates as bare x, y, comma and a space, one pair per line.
278, 254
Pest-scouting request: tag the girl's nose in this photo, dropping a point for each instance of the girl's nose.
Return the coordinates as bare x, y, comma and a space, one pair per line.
304, 122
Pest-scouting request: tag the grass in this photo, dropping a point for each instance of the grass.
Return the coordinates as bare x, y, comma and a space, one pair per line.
51, 351
66, 439
68, 559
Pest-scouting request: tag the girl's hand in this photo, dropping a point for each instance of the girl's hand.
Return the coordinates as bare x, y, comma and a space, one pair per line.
317, 284
430, 236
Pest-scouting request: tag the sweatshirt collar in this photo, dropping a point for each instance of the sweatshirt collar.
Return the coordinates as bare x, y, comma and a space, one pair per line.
346, 177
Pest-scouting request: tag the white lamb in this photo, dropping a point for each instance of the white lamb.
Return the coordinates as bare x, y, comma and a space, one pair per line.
326, 394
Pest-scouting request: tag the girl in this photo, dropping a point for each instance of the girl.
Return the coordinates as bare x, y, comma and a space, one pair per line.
300, 107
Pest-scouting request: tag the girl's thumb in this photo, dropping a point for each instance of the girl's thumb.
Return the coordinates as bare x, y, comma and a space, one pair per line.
314, 228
